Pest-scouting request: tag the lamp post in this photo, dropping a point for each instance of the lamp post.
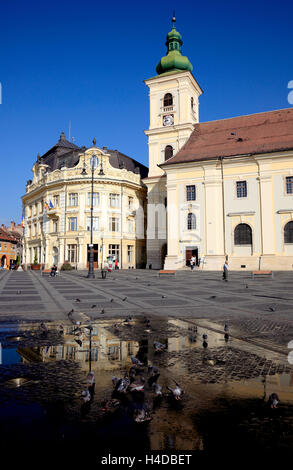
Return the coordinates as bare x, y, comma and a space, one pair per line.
94, 164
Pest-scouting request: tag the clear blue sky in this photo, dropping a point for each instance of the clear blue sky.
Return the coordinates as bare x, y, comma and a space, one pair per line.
85, 62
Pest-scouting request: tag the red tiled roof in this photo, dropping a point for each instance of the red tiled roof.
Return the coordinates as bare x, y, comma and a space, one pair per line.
271, 131
4, 236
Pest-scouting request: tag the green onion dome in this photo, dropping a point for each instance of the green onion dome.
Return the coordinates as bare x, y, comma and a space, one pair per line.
174, 60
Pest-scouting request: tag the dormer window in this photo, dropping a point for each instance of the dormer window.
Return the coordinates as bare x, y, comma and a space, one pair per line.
168, 100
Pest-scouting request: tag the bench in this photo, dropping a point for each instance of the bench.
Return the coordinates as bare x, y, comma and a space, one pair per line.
262, 273
168, 272
48, 271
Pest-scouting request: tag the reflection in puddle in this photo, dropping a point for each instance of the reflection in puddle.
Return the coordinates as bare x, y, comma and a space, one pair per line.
49, 368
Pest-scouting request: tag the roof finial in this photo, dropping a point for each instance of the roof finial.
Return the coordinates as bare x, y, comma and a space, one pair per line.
94, 141
174, 19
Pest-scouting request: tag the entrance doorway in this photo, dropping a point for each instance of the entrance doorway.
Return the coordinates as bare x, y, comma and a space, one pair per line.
96, 255
3, 261
189, 252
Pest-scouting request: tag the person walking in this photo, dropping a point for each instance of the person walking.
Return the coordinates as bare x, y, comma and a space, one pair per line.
225, 271
191, 262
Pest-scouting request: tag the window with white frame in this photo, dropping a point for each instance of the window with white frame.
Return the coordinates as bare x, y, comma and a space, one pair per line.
241, 188
55, 225
191, 222
95, 223
289, 184
113, 224
190, 193
73, 199
114, 200
130, 253
72, 224
96, 199
130, 225
114, 251
56, 200
130, 202
72, 253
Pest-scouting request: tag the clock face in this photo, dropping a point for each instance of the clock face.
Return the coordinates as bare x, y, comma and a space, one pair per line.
168, 120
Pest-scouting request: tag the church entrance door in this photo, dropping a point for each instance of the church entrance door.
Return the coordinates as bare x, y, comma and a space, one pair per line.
189, 252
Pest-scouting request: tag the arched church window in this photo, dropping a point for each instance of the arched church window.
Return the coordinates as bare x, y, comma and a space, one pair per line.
242, 235
168, 152
288, 232
191, 221
168, 100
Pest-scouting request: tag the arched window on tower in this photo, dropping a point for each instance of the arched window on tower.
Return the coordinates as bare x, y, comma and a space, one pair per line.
191, 221
168, 152
242, 235
288, 232
168, 100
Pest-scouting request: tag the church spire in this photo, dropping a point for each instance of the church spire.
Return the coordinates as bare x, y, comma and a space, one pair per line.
174, 60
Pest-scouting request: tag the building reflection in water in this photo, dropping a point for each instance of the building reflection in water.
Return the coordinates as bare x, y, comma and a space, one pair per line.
97, 348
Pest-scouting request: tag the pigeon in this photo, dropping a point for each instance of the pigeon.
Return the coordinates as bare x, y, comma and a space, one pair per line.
246, 286
90, 378
205, 336
212, 297
152, 369
86, 396
136, 361
61, 330
157, 389
205, 344
122, 384
226, 328
176, 392
110, 404
77, 300
153, 379
132, 372
159, 347
164, 296
112, 300
136, 386
141, 415
272, 309
78, 342
93, 306
273, 400
18, 291
70, 313
102, 311
125, 298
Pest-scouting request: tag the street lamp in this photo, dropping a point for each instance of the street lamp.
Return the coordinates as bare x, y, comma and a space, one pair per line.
94, 165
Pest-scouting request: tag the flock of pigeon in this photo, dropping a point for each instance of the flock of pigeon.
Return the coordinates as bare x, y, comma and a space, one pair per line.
134, 381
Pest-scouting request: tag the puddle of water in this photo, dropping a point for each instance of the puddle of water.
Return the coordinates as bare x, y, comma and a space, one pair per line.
227, 377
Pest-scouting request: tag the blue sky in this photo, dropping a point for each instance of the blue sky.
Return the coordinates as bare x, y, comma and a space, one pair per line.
85, 62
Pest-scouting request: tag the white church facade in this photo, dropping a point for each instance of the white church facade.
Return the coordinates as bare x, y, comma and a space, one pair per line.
216, 190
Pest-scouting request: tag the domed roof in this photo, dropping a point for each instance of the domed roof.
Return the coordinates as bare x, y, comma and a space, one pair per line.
174, 60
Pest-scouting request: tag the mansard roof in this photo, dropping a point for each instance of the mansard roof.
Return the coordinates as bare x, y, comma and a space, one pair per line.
253, 134
66, 154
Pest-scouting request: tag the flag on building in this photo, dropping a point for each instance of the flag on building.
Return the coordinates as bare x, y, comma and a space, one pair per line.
50, 204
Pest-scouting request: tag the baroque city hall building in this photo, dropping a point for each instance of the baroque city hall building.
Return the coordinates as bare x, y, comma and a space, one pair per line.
214, 190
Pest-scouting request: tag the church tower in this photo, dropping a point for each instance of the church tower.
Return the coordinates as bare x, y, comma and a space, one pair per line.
173, 94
